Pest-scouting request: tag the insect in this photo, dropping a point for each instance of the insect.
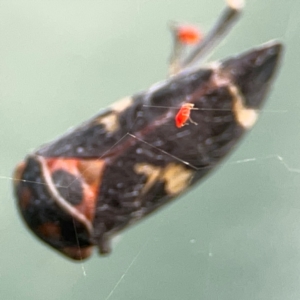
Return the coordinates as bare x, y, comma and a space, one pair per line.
129, 160
183, 115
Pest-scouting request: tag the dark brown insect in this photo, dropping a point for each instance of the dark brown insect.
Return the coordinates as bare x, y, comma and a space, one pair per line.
81, 189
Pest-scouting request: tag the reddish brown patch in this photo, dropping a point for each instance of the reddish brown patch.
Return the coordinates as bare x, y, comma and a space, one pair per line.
24, 196
88, 173
91, 173
67, 164
49, 230
18, 174
90, 170
77, 253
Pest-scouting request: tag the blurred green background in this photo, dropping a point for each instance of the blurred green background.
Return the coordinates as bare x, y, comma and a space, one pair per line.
236, 236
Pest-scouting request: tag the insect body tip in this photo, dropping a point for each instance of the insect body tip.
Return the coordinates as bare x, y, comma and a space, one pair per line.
253, 71
274, 46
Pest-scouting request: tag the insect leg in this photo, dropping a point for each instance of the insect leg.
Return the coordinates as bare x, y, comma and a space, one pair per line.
193, 122
224, 23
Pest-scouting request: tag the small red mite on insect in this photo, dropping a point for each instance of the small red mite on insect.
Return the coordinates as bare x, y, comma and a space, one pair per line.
184, 115
188, 34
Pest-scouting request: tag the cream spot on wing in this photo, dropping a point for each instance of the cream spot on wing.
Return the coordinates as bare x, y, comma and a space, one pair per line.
152, 172
110, 122
91, 170
246, 117
122, 104
177, 178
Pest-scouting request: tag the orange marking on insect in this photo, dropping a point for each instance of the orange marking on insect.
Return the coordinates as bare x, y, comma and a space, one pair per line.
88, 173
68, 164
184, 115
188, 34
50, 230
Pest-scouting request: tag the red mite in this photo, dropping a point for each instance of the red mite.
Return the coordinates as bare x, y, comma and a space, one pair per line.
188, 34
184, 115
